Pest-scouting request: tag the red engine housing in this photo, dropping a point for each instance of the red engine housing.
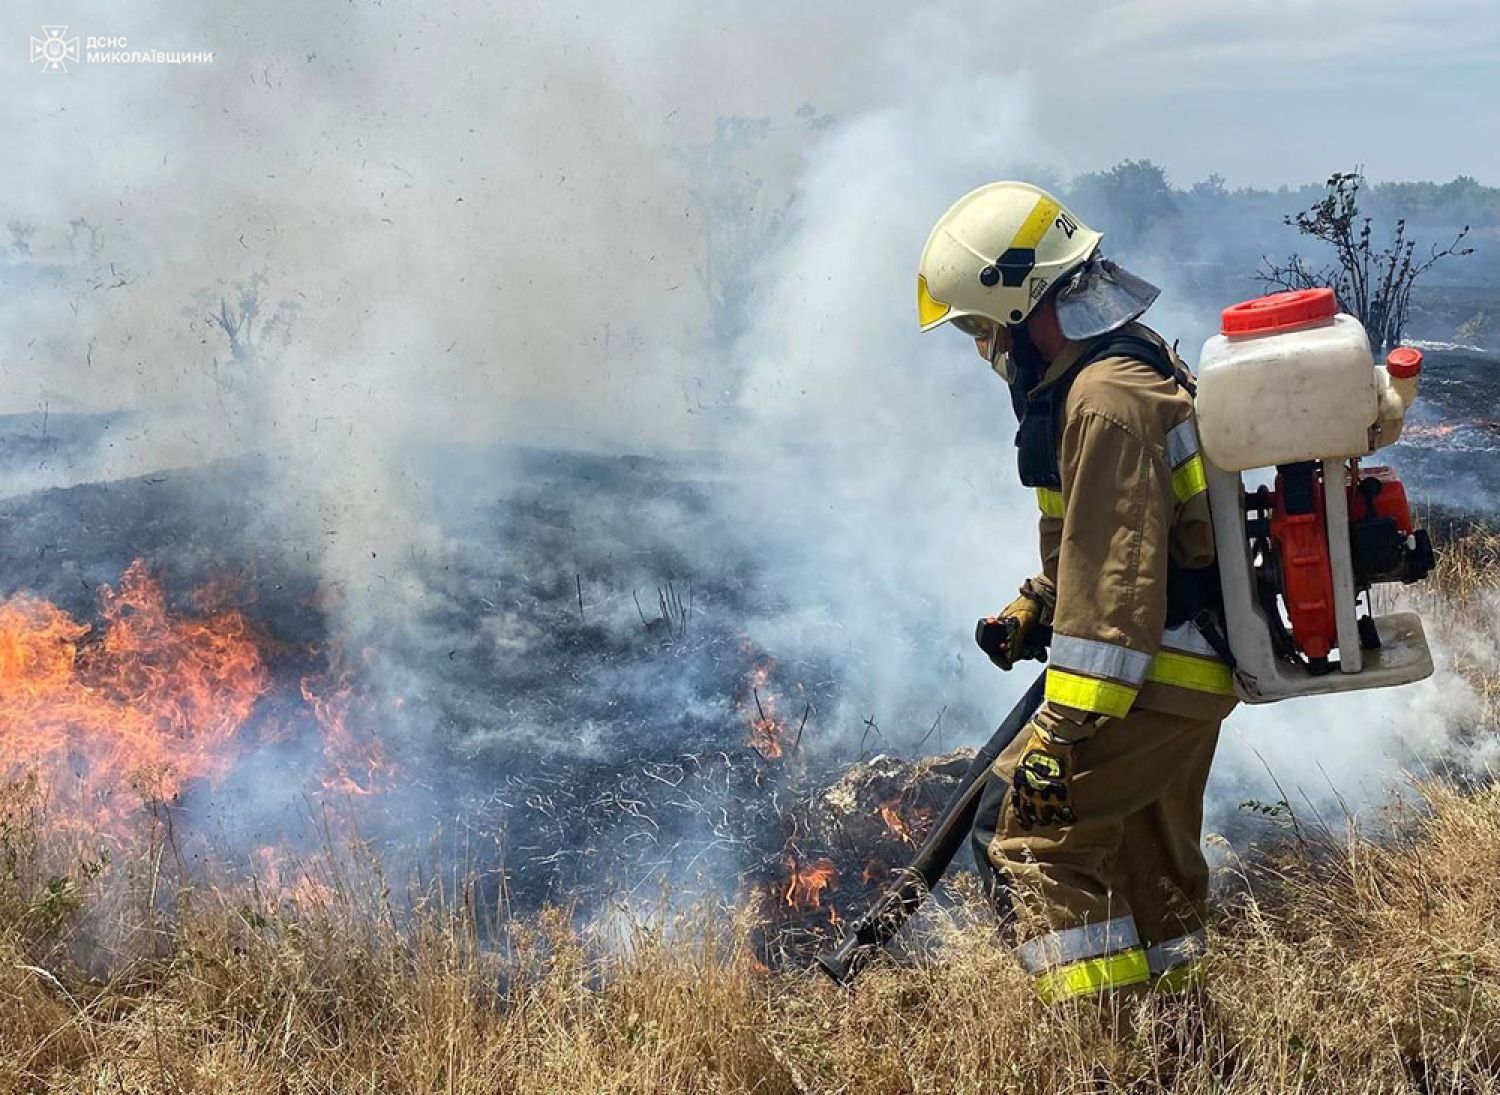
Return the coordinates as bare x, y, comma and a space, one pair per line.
1388, 501
1380, 525
1301, 540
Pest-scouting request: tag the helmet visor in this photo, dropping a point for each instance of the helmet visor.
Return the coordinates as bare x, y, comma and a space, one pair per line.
1101, 297
974, 326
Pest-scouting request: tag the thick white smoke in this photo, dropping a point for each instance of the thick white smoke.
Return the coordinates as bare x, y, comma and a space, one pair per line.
366, 229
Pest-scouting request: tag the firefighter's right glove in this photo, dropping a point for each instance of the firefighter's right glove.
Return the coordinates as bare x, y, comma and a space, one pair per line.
1016, 635
1041, 784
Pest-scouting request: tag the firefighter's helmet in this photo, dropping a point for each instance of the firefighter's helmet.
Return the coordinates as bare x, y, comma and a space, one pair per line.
1000, 249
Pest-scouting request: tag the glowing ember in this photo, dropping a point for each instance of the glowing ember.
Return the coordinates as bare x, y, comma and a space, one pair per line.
135, 709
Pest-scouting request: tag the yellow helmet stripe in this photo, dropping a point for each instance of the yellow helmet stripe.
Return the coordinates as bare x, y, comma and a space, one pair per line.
930, 310
1035, 226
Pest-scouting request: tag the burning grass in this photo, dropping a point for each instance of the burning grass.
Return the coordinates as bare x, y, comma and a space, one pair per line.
1344, 965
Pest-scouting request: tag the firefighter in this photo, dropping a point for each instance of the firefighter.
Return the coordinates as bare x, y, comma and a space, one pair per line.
1093, 816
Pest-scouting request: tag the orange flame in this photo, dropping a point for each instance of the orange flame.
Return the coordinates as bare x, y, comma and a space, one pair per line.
758, 701
359, 763
805, 885
133, 710
893, 819
907, 825
767, 731
288, 883
146, 703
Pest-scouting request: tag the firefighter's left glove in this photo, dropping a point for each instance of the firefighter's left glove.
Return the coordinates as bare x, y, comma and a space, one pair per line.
1016, 634
1042, 783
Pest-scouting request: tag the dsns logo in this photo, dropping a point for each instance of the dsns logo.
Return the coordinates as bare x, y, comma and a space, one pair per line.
54, 51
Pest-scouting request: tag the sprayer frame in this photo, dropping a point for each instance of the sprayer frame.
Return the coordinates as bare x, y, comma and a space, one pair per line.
1262, 677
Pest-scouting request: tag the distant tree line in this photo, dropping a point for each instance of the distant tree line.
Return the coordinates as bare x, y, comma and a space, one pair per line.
1369, 242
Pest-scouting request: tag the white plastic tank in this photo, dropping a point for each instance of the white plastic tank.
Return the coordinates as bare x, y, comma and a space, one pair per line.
1289, 378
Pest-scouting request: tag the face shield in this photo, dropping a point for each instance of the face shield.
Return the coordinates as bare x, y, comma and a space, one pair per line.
1101, 297
993, 343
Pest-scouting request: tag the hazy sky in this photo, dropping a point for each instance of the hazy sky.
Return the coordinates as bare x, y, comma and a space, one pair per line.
1264, 93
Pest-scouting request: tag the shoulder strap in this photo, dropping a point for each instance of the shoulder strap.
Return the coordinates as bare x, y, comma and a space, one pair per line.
1137, 348
1036, 439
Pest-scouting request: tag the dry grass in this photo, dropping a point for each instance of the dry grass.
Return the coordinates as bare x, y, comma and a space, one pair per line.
1346, 963
1348, 966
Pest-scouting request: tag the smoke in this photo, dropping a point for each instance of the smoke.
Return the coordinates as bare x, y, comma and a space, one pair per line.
883, 460
370, 243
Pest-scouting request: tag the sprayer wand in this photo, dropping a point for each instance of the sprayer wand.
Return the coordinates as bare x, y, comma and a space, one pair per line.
914, 882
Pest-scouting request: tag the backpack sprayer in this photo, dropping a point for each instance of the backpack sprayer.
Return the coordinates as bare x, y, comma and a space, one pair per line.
1288, 384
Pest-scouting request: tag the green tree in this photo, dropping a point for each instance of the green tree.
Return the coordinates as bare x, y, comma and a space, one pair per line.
1136, 192
1372, 284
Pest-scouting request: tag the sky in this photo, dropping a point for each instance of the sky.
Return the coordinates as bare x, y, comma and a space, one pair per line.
1262, 93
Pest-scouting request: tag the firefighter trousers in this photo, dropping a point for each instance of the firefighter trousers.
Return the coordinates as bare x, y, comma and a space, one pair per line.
1118, 898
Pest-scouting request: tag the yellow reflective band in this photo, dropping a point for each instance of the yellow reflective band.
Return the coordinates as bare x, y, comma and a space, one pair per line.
1187, 671
1088, 694
1094, 975
1035, 226
1190, 480
929, 309
1178, 978
1050, 502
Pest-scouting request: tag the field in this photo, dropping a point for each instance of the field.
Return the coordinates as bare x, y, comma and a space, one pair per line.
1344, 960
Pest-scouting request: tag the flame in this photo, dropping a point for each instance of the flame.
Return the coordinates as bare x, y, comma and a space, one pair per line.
758, 702
1435, 431
767, 731
132, 710
287, 882
805, 885
908, 825
358, 762
893, 819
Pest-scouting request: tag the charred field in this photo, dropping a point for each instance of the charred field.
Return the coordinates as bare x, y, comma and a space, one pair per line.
568, 713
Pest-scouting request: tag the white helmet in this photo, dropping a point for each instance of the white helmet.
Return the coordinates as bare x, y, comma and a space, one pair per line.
999, 249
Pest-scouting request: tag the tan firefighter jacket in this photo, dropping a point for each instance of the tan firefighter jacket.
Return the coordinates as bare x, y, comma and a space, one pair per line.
1134, 493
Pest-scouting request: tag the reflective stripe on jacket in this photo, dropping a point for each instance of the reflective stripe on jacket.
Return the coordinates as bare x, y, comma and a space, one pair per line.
1134, 495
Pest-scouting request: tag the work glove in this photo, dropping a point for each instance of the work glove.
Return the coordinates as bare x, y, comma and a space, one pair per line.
1016, 635
1041, 783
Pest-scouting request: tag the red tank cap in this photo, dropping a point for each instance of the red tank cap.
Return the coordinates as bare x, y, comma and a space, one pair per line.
1279, 312
1404, 362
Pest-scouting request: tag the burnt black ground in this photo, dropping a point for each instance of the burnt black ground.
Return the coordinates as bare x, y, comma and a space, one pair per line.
571, 752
